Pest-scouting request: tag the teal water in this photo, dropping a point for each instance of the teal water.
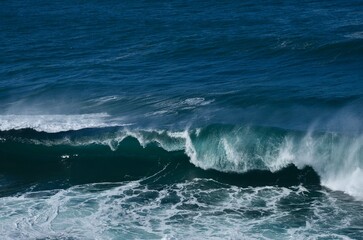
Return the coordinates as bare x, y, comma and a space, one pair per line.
181, 119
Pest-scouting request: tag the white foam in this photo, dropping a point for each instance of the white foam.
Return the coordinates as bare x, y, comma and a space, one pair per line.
105, 99
350, 182
172, 106
283, 158
200, 208
161, 112
197, 101
356, 35
337, 159
55, 123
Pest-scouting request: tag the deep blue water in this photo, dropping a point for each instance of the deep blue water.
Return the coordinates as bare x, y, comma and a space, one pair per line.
181, 119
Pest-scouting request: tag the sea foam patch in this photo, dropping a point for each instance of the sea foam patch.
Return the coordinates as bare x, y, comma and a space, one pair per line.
83, 211
55, 123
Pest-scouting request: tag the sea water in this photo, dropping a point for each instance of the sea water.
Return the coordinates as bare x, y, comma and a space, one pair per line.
181, 119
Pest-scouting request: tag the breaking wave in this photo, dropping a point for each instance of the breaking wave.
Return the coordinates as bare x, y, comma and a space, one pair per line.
336, 158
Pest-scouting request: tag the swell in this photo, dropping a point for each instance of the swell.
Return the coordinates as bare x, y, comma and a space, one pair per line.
255, 154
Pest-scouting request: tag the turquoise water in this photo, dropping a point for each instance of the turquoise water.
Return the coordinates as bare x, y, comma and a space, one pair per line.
181, 120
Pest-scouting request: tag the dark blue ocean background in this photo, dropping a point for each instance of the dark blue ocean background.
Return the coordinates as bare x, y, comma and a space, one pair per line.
181, 119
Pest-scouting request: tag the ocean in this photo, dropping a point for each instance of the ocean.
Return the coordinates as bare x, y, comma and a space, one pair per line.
181, 119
